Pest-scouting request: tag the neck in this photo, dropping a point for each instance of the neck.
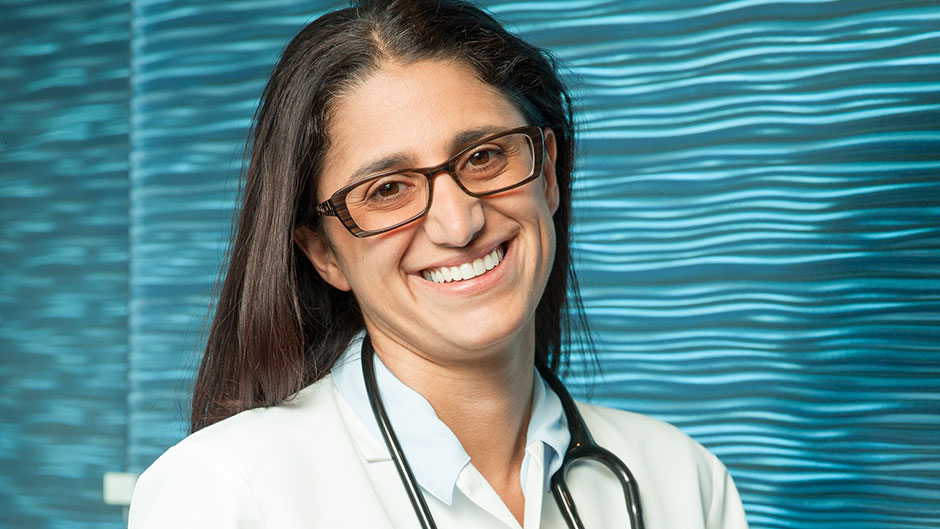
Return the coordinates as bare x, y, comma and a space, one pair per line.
486, 403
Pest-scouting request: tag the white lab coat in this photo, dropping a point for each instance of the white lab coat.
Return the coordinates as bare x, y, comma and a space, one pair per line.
310, 463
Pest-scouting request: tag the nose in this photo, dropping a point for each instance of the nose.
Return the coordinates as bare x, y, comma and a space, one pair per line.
455, 218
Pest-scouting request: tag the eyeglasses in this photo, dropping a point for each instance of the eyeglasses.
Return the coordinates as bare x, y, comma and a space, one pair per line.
385, 201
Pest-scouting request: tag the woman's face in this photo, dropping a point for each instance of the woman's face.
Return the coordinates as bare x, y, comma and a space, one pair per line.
414, 114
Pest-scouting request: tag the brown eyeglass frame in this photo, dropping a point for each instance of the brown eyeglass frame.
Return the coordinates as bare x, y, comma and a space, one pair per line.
335, 206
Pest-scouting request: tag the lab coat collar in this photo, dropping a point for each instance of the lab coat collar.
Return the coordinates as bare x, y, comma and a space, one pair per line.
433, 451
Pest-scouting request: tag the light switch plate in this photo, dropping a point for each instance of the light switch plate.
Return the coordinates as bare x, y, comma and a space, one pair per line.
119, 487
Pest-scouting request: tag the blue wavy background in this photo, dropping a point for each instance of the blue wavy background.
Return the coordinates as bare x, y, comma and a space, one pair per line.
757, 232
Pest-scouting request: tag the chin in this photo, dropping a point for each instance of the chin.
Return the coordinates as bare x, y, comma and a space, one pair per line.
488, 334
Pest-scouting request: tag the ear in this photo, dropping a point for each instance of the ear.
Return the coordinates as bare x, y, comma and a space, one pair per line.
548, 169
322, 256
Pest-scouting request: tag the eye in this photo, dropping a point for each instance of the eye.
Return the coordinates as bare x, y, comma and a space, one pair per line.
386, 192
482, 157
389, 189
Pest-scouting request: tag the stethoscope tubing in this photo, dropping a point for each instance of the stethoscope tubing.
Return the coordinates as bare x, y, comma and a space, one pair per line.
581, 446
408, 480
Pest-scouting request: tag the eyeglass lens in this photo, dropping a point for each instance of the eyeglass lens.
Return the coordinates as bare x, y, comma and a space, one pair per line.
497, 164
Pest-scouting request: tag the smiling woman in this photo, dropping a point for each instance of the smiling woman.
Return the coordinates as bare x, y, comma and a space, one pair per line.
395, 302
421, 123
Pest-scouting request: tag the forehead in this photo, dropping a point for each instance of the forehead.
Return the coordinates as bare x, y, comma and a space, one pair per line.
413, 109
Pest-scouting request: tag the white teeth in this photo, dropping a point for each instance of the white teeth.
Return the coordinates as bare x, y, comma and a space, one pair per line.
465, 271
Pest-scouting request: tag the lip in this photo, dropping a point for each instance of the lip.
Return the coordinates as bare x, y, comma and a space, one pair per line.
478, 283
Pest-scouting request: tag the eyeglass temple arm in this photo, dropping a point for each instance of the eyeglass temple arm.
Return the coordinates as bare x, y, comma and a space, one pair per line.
326, 208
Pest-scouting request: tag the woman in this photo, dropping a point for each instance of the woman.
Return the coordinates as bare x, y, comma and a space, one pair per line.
454, 274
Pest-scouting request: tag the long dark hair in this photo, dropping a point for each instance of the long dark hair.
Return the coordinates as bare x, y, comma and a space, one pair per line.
278, 326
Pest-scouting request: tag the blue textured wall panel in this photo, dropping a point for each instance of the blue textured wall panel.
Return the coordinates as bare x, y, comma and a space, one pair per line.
758, 238
63, 260
756, 231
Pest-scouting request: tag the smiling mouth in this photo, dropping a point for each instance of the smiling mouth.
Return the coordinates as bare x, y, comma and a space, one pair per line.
464, 271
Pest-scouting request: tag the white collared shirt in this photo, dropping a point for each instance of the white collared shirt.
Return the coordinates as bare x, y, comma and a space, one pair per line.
441, 466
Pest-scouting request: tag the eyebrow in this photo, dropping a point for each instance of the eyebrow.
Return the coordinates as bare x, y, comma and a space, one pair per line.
400, 159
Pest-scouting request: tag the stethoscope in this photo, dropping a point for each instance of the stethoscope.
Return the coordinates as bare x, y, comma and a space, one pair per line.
582, 446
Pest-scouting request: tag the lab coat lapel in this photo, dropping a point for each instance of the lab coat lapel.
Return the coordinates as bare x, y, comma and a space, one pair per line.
340, 490
385, 483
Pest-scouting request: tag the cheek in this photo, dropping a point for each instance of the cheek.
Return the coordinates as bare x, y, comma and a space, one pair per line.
372, 263
537, 208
